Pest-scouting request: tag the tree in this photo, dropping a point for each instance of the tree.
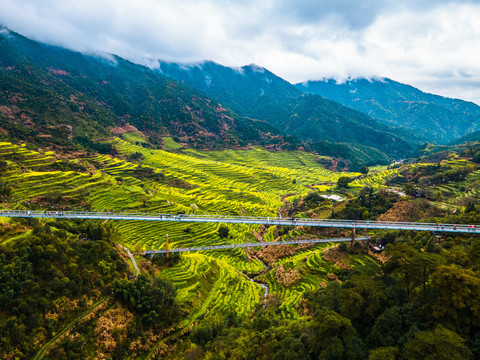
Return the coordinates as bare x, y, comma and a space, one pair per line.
474, 255
343, 181
423, 265
437, 344
291, 348
392, 327
383, 353
361, 299
454, 298
223, 231
153, 299
207, 331
409, 189
469, 208
364, 170
398, 265
334, 337
411, 268
324, 297
194, 207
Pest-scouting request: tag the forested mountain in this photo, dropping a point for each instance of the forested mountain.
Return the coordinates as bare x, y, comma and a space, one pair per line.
471, 137
70, 98
249, 90
62, 95
434, 118
256, 92
314, 118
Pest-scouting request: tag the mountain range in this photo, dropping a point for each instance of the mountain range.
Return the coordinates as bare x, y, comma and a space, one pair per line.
256, 92
433, 118
61, 95
53, 96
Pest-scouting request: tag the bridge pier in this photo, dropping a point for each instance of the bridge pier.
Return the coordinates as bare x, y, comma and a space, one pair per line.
167, 245
353, 237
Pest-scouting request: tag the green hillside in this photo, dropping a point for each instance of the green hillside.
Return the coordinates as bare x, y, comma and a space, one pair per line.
63, 95
316, 120
208, 295
250, 90
227, 182
472, 137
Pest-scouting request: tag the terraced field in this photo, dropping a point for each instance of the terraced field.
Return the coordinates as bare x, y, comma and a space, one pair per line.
474, 189
313, 270
208, 283
240, 182
375, 179
464, 188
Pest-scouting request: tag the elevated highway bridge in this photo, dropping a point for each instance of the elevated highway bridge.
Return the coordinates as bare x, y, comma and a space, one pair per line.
245, 245
347, 224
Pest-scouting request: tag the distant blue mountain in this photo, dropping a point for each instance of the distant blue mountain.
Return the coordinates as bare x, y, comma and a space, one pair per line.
434, 118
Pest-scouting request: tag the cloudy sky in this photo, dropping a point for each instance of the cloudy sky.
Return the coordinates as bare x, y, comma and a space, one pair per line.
431, 44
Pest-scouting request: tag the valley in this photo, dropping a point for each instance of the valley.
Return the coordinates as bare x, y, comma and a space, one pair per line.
247, 183
258, 186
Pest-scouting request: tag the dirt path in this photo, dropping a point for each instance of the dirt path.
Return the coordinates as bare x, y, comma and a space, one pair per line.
136, 270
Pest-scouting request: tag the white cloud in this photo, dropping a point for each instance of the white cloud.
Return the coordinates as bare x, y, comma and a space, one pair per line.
430, 44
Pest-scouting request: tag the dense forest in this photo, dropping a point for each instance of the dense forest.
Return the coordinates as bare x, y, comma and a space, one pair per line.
56, 274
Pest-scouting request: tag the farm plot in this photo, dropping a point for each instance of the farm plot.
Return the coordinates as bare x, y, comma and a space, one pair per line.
240, 181
214, 183
152, 235
375, 179
473, 189
296, 167
313, 271
207, 285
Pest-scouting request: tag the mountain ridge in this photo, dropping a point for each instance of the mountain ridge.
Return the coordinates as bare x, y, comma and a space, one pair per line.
256, 92
97, 93
435, 118
57, 97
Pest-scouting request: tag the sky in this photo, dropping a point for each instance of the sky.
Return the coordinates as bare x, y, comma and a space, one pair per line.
431, 44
